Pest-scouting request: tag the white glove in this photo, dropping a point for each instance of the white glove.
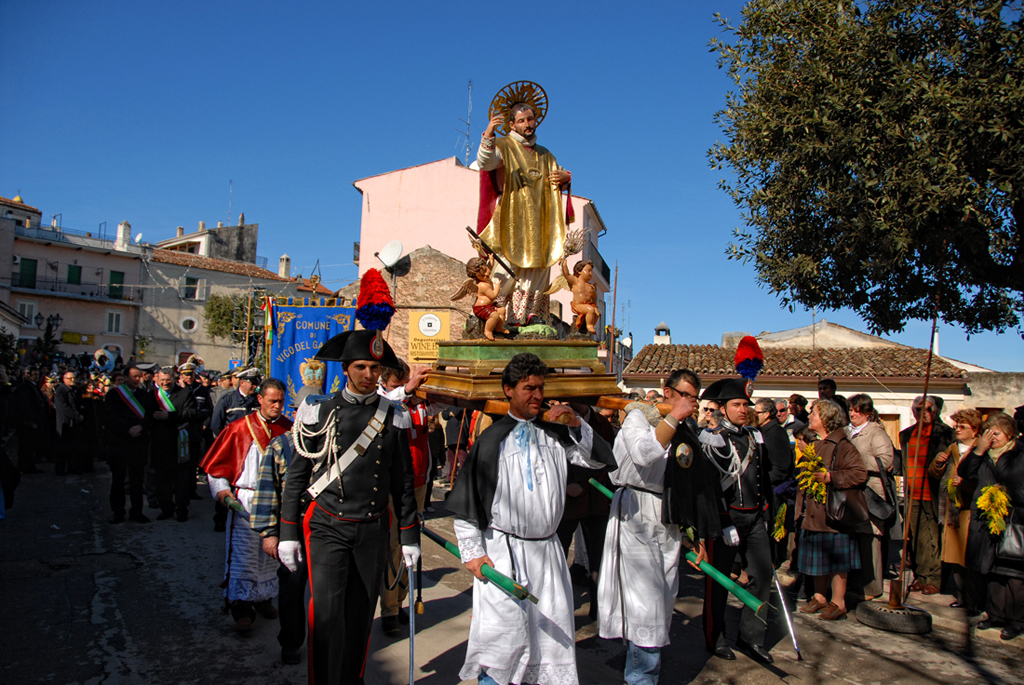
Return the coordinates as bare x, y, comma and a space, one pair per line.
411, 554
729, 535
290, 554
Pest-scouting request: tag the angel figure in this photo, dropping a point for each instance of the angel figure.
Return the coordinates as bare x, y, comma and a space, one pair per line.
479, 272
584, 293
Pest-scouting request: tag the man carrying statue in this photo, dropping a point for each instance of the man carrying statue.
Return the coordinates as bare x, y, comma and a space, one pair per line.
521, 210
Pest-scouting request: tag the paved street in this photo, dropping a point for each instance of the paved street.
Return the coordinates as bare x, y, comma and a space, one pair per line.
86, 602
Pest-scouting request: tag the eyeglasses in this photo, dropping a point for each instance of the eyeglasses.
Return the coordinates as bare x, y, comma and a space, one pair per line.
683, 394
709, 410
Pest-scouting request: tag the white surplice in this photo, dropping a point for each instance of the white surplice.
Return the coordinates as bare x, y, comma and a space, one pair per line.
513, 641
640, 567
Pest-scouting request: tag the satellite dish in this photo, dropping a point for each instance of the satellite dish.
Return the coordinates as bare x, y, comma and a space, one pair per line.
390, 253
138, 238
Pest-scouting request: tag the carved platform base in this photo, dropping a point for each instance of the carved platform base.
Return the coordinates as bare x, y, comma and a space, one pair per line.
468, 373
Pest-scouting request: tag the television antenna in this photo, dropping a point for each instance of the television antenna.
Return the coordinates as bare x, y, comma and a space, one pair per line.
390, 254
467, 120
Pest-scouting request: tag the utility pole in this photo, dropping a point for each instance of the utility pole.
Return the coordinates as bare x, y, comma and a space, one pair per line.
615, 337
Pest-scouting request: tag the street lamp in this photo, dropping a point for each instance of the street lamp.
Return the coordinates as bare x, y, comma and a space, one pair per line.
39, 321
55, 321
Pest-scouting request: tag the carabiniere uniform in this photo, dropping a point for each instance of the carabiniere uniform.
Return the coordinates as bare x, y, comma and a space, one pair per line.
337, 500
740, 469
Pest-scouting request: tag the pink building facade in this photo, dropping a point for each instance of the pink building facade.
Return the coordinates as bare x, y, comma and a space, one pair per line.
432, 204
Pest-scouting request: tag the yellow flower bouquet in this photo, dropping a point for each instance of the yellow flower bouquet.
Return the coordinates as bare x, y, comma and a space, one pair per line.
808, 463
994, 503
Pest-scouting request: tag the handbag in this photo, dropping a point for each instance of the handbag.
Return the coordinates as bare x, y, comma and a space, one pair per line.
1011, 544
846, 510
882, 509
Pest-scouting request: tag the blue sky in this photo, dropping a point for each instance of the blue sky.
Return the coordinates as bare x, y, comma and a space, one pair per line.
145, 110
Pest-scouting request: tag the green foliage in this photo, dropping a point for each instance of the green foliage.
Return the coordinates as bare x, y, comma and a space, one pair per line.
224, 314
47, 347
877, 154
8, 349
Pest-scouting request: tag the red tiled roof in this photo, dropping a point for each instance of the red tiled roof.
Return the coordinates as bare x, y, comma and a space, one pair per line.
881, 362
211, 264
20, 205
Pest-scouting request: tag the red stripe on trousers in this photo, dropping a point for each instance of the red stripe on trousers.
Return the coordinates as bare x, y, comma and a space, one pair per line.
309, 571
709, 546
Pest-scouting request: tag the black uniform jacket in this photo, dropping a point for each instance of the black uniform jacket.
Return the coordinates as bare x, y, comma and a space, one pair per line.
384, 469
473, 494
232, 407
164, 434
692, 491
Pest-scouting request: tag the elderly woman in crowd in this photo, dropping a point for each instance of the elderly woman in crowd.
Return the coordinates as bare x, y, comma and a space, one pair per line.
997, 459
876, 449
823, 552
955, 497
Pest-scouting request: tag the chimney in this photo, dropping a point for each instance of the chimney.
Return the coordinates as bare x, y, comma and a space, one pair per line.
220, 224
202, 225
241, 219
284, 266
181, 231
124, 236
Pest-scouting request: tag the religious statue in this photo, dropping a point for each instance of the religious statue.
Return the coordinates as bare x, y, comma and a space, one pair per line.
521, 210
485, 307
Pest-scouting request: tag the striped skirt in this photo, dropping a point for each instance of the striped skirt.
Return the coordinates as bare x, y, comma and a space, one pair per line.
823, 554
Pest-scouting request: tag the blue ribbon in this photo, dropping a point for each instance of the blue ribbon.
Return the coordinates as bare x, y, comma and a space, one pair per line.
526, 435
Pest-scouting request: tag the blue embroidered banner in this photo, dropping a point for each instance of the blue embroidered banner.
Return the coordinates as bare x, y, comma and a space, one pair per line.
298, 332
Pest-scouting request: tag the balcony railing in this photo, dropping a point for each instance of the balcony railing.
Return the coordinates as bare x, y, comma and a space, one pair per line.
600, 266
59, 234
106, 291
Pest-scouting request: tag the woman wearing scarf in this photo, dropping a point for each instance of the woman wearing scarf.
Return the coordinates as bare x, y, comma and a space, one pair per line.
956, 495
996, 460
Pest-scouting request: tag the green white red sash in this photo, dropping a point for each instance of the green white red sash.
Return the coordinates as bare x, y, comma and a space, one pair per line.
164, 399
132, 401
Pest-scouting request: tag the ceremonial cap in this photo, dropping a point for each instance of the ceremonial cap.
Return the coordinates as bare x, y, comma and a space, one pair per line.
250, 374
353, 346
729, 389
147, 367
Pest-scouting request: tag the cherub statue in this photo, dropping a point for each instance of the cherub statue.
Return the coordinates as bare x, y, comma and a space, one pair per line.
485, 307
584, 293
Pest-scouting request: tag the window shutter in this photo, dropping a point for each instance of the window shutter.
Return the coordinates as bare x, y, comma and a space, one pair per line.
181, 287
201, 289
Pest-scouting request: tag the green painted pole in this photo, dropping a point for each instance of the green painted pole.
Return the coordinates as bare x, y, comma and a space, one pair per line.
759, 608
232, 503
509, 586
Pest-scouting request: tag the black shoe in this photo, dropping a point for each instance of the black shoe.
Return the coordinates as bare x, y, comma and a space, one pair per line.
153, 504
60, 469
1010, 632
756, 652
163, 515
956, 605
116, 518
973, 613
724, 652
390, 626
403, 617
138, 518
182, 516
290, 655
266, 609
986, 624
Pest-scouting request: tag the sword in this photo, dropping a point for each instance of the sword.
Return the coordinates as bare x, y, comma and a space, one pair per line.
412, 628
785, 608
488, 250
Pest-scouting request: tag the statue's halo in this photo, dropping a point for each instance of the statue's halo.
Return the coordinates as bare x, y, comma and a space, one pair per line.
514, 93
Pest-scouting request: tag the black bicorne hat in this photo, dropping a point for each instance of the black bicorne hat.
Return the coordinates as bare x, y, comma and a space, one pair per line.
353, 346
729, 389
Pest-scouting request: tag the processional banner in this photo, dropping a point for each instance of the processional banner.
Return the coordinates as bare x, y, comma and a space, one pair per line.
295, 332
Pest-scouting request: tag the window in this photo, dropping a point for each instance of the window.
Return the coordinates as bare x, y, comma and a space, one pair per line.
190, 288
188, 324
116, 290
27, 308
113, 324
27, 274
74, 275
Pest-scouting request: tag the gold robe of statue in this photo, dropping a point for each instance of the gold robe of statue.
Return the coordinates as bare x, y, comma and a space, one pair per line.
528, 225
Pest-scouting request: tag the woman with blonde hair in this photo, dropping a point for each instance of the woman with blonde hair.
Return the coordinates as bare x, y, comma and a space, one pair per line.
955, 497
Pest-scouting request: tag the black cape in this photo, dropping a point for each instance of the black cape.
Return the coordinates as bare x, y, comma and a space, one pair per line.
692, 491
473, 494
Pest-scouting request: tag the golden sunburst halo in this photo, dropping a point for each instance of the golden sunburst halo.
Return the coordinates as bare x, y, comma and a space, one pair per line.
514, 93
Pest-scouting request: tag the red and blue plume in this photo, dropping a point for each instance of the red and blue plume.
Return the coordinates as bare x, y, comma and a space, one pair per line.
749, 358
374, 307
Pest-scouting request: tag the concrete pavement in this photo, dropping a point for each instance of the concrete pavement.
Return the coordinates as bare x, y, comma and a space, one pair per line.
87, 602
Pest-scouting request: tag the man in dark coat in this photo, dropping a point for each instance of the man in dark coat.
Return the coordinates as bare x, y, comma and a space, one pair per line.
203, 412
170, 451
70, 448
127, 414
236, 403
28, 415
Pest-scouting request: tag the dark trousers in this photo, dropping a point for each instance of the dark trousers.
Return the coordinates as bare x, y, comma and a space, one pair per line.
346, 563
173, 487
1006, 600
755, 548
291, 605
593, 534
71, 453
28, 448
971, 588
119, 468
